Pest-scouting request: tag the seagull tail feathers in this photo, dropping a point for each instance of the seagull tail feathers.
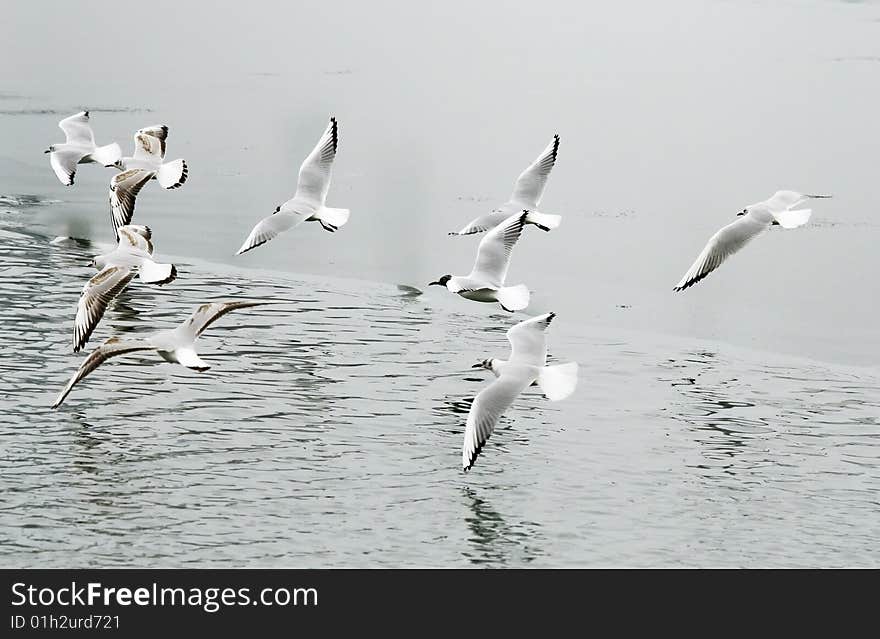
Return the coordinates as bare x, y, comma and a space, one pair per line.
793, 219
172, 174
544, 221
514, 298
153, 273
559, 381
107, 155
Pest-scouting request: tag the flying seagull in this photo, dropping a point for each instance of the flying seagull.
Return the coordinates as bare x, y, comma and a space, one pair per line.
175, 345
527, 193
753, 221
485, 283
147, 163
526, 367
79, 148
307, 205
132, 256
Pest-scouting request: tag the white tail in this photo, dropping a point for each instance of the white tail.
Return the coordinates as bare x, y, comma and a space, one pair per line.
331, 219
189, 358
513, 298
543, 221
558, 382
107, 155
793, 219
172, 174
154, 273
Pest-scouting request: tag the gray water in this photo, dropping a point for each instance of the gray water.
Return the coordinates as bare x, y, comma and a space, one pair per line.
735, 424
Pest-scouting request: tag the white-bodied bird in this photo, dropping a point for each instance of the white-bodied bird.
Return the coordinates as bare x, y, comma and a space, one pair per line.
176, 345
147, 163
485, 283
79, 148
753, 221
527, 193
527, 366
308, 204
132, 256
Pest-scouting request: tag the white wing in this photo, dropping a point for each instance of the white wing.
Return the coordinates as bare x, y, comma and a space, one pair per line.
77, 130
528, 340
96, 296
149, 143
530, 184
722, 245
64, 164
488, 406
112, 347
314, 174
493, 253
269, 228
124, 188
207, 314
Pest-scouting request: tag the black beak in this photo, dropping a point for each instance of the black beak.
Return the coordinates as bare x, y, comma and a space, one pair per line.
47, 151
435, 284
480, 365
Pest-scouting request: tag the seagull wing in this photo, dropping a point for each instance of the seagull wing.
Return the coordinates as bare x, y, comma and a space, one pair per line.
96, 296
528, 340
487, 407
64, 164
207, 314
135, 237
493, 253
149, 144
111, 348
77, 130
530, 184
124, 188
722, 245
314, 174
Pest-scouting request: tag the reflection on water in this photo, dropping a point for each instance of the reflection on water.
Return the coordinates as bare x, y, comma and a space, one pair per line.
328, 431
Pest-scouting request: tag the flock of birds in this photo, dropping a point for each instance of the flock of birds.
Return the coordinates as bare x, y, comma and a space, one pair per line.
503, 226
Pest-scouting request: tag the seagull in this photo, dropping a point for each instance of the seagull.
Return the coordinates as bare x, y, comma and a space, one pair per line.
485, 283
175, 345
753, 221
147, 163
132, 256
307, 205
526, 367
79, 148
527, 194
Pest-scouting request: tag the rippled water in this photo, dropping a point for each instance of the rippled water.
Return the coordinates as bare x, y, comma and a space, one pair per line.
328, 432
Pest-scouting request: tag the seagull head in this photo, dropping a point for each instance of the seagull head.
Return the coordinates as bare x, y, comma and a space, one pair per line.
745, 211
442, 281
51, 149
486, 363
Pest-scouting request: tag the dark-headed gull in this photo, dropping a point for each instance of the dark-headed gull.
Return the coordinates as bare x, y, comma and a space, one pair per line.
175, 345
79, 148
307, 205
527, 366
485, 283
752, 222
526, 195
132, 256
147, 163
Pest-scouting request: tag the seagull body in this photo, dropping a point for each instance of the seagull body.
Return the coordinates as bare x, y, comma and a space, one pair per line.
526, 367
752, 221
147, 163
176, 345
308, 204
485, 282
132, 256
527, 193
79, 148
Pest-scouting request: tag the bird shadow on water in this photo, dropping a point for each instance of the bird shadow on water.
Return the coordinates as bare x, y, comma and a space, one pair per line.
492, 540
